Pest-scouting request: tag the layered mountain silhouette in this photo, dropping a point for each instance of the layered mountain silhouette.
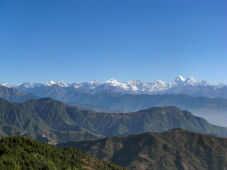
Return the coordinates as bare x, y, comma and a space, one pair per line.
104, 97
52, 121
174, 149
212, 109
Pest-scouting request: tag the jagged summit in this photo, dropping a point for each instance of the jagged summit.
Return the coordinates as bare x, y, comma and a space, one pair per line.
94, 82
178, 85
191, 80
59, 83
180, 79
113, 81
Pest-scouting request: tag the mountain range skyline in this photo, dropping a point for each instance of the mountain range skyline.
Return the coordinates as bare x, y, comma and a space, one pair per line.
189, 79
139, 83
179, 85
200, 97
128, 40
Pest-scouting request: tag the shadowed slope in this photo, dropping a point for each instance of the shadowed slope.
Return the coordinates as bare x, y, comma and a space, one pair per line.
52, 121
174, 149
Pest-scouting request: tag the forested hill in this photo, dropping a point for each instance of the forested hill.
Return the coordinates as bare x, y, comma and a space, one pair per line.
18, 153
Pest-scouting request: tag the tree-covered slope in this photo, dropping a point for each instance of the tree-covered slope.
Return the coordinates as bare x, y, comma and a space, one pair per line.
174, 149
18, 153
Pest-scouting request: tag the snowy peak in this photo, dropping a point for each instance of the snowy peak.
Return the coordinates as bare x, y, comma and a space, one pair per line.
94, 82
59, 83
191, 81
112, 81
159, 82
26, 85
130, 87
134, 82
62, 84
4, 84
180, 79
50, 83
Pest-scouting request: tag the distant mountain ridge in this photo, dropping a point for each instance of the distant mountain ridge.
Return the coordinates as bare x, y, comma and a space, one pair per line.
106, 97
174, 149
212, 109
52, 121
15, 95
179, 85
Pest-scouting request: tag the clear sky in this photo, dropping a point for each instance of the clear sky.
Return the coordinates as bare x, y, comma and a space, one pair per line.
84, 40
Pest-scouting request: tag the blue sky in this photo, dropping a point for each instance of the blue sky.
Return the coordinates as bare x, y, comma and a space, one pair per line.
84, 40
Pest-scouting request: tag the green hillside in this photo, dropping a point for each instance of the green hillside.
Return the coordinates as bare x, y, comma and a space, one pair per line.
18, 153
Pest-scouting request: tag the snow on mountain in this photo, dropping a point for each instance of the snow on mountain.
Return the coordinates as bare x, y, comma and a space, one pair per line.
180, 79
50, 83
178, 85
135, 85
26, 85
191, 81
62, 84
95, 82
159, 85
4, 84
59, 83
114, 83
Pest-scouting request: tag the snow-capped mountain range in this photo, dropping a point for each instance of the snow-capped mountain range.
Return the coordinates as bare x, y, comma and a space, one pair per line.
200, 97
178, 85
